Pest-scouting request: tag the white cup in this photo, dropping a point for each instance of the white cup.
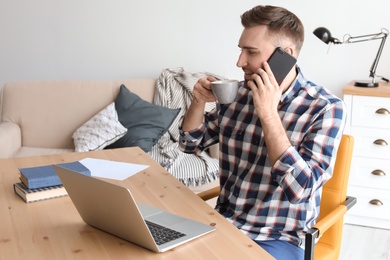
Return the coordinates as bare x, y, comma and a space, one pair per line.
225, 91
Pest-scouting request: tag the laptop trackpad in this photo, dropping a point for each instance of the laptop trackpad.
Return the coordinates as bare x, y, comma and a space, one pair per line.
165, 219
159, 216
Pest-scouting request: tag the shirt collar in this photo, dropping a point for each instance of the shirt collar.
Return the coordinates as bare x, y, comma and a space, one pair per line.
295, 86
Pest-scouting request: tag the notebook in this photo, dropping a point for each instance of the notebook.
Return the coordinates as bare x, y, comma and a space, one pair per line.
112, 208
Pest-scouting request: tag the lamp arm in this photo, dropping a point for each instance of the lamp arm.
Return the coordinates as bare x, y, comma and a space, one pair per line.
378, 55
363, 38
382, 35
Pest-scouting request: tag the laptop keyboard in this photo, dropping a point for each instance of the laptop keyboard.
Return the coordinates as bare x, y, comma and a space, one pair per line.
162, 234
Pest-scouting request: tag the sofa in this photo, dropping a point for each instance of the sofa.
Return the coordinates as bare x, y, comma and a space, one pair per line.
41, 117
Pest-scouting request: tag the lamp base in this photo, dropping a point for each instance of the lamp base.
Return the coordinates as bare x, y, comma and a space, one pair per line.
366, 84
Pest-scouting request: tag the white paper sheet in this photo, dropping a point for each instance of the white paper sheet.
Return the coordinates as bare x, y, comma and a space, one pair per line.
112, 169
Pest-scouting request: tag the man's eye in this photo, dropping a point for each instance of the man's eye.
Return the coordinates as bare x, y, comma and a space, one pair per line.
250, 51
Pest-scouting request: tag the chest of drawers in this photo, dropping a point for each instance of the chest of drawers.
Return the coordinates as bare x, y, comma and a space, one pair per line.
369, 123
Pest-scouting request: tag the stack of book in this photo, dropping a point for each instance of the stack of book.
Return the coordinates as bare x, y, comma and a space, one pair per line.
42, 182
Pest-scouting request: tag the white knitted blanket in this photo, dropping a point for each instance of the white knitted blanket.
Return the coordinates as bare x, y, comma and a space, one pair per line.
174, 90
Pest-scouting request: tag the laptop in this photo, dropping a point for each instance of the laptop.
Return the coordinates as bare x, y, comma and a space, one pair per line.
112, 208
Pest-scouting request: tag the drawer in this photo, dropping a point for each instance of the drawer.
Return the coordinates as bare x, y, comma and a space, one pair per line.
370, 173
370, 112
365, 207
371, 142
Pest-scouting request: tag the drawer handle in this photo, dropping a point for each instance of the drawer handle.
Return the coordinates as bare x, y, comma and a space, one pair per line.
376, 202
380, 142
378, 173
382, 111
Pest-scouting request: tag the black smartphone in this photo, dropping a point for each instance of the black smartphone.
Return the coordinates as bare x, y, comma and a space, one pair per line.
281, 63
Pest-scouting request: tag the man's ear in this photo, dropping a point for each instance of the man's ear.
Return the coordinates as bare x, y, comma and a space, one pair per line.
289, 50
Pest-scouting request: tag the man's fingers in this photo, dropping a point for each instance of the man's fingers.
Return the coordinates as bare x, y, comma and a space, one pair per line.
202, 91
271, 75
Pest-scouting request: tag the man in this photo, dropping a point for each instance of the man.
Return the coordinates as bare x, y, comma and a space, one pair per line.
277, 142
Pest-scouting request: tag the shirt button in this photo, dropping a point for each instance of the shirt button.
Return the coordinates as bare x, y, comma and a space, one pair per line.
236, 192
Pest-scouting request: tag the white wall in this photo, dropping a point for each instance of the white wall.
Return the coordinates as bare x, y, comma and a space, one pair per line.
101, 39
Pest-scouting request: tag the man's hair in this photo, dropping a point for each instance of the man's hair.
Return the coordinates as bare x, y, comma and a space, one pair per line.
281, 23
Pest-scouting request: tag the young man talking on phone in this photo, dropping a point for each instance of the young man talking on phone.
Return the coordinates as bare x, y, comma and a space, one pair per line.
277, 143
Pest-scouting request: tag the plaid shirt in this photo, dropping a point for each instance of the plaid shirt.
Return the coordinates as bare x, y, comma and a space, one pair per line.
279, 201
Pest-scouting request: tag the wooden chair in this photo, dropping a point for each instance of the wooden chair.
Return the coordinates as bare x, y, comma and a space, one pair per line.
334, 205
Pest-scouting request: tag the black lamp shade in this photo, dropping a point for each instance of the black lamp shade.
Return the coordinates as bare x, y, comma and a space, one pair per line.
323, 34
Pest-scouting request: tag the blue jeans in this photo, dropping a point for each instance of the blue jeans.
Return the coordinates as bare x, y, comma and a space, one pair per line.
282, 250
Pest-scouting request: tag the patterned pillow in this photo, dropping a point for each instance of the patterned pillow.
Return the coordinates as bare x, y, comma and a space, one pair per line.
101, 130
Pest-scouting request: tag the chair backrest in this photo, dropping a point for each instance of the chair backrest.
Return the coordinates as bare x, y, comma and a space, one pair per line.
334, 193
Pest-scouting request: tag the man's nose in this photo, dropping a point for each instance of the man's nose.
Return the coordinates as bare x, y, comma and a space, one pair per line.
241, 62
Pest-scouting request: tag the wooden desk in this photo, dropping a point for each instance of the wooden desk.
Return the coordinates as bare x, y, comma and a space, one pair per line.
53, 229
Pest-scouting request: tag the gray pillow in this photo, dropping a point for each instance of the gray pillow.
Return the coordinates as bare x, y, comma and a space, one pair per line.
145, 122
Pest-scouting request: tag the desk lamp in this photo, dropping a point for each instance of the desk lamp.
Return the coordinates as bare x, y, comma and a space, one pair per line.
324, 35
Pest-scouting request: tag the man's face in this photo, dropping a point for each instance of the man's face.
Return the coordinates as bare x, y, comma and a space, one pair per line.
256, 47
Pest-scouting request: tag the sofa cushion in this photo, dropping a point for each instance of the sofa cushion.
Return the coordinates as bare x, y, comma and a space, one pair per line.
145, 122
101, 130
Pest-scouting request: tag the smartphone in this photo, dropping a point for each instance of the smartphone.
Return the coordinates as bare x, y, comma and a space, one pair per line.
281, 63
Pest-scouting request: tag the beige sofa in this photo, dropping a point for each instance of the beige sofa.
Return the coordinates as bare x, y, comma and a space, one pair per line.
39, 117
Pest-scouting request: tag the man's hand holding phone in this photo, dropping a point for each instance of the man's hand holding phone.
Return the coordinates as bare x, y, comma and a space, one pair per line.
266, 88
266, 92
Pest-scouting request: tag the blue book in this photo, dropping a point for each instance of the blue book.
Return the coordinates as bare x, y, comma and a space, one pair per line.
45, 176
